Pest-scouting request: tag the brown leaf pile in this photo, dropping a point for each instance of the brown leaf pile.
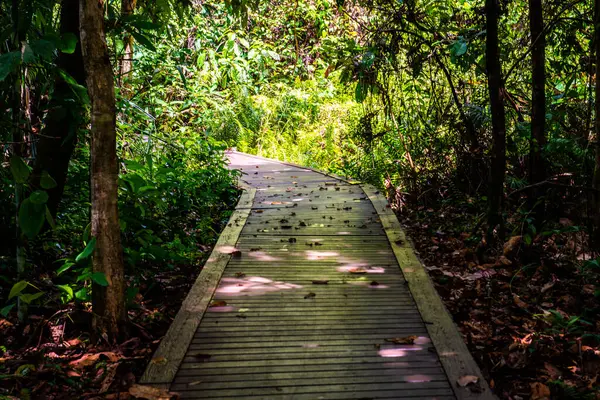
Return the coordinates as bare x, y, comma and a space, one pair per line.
528, 310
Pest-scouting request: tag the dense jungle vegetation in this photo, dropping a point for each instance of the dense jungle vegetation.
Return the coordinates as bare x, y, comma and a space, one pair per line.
479, 119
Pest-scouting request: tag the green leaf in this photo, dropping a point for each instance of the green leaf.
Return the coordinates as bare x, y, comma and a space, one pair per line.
44, 49
68, 43
8, 63
82, 294
99, 278
31, 218
143, 40
274, 55
65, 267
89, 249
201, 59
182, 75
360, 94
27, 54
39, 197
68, 290
19, 169
87, 232
28, 298
79, 90
17, 289
6, 310
46, 181
459, 48
50, 219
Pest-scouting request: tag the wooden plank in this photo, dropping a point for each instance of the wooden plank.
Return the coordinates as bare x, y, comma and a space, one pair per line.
178, 385
454, 354
379, 336
165, 362
437, 394
419, 353
276, 363
435, 373
347, 180
402, 367
420, 387
340, 348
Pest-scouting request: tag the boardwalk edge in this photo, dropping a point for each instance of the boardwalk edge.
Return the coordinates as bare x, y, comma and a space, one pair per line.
165, 362
454, 355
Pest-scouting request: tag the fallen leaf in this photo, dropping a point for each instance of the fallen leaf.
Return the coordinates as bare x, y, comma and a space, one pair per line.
539, 391
158, 361
519, 302
547, 286
240, 274
357, 270
552, 371
109, 377
310, 295
218, 303
151, 393
320, 282
466, 380
402, 340
512, 246
91, 358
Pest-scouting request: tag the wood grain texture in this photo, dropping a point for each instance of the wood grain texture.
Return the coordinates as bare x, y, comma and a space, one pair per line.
452, 350
312, 301
172, 348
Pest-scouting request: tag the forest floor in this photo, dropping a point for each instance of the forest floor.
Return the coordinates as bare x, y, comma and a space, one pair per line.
529, 313
52, 356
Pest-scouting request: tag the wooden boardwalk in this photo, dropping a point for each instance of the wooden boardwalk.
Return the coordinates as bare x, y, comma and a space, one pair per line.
309, 301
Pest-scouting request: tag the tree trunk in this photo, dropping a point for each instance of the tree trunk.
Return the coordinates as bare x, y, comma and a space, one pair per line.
537, 168
596, 180
470, 133
498, 151
59, 137
127, 8
107, 301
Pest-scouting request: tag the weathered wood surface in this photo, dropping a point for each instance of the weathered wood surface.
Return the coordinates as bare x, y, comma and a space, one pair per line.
309, 302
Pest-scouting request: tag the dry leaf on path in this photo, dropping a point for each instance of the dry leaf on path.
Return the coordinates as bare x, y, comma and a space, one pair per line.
310, 295
402, 340
218, 303
158, 361
320, 282
357, 270
151, 393
466, 380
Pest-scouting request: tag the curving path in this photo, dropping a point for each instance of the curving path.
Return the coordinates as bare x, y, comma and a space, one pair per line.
311, 302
